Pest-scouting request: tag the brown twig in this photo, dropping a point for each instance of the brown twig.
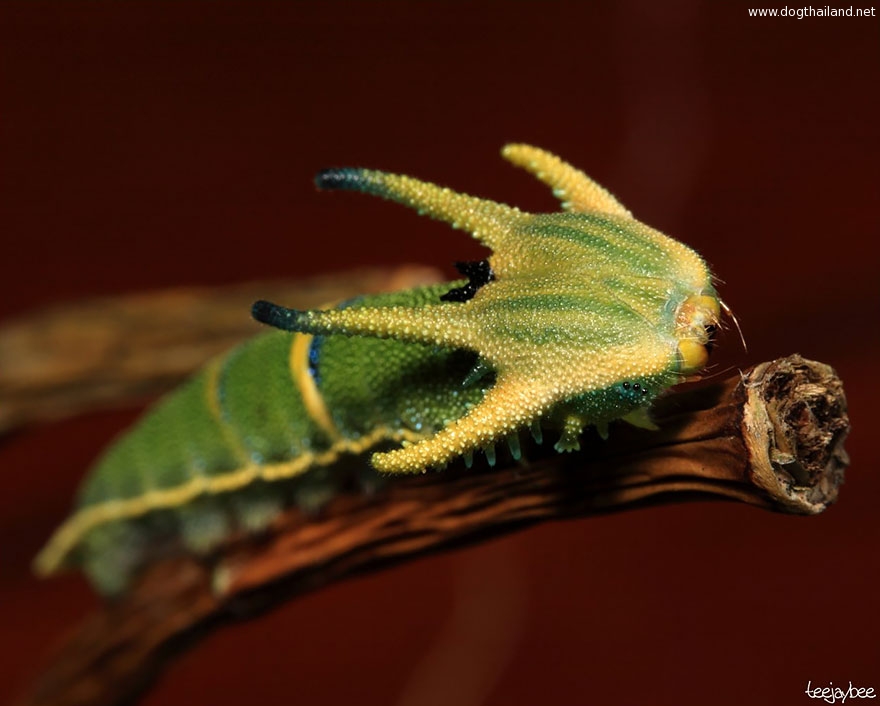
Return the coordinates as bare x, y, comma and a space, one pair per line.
772, 437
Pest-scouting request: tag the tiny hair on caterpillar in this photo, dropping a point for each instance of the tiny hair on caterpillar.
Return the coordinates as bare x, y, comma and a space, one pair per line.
578, 318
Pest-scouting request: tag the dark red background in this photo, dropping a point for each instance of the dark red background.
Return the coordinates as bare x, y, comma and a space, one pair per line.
150, 145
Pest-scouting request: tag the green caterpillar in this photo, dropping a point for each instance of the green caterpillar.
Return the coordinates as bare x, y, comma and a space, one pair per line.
578, 318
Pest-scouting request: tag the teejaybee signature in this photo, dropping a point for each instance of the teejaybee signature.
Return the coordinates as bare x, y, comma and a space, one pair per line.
578, 318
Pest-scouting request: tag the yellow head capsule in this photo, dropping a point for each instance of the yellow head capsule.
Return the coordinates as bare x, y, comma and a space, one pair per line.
696, 317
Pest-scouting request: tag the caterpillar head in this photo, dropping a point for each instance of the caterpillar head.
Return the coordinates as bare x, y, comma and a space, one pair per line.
578, 302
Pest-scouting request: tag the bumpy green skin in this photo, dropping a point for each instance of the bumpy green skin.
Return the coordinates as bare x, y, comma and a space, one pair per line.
368, 383
365, 384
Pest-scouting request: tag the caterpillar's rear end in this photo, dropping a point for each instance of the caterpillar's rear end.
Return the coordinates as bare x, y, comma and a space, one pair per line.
266, 426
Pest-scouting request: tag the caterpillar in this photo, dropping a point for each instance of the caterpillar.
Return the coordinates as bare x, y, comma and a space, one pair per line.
578, 318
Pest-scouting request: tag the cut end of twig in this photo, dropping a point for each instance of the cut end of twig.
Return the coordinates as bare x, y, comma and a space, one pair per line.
795, 424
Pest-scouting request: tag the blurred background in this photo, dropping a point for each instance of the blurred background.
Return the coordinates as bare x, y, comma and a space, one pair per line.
154, 145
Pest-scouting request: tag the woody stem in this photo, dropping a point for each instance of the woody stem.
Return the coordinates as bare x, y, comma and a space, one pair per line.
771, 437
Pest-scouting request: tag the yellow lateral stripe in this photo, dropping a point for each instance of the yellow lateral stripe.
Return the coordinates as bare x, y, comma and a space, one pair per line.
308, 390
212, 401
67, 536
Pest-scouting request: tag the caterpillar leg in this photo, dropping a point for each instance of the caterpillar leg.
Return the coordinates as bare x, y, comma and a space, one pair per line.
511, 404
488, 221
641, 417
574, 188
571, 432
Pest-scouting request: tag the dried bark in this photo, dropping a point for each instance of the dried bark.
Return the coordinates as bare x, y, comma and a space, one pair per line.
772, 437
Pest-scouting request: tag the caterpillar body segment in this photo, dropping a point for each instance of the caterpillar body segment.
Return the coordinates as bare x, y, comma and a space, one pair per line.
578, 318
